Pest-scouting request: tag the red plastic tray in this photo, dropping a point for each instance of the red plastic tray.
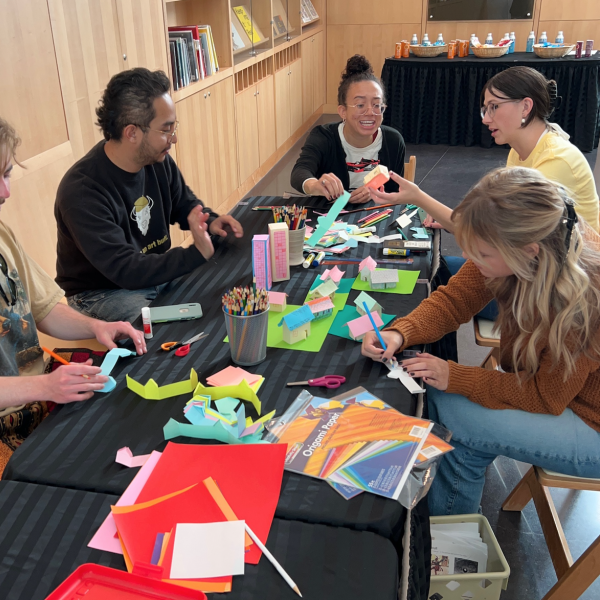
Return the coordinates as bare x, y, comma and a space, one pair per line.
94, 582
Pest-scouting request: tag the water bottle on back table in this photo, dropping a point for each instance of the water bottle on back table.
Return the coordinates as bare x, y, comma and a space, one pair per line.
560, 38
530, 42
543, 38
513, 41
489, 40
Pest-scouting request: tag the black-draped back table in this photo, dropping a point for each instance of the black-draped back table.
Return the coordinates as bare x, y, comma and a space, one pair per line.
437, 100
75, 446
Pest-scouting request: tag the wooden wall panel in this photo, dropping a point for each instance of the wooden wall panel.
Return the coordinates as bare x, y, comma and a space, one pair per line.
373, 12
561, 10
30, 209
31, 99
376, 42
573, 30
463, 30
85, 62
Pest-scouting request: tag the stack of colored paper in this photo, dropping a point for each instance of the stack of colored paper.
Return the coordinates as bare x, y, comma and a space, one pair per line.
232, 376
354, 439
189, 517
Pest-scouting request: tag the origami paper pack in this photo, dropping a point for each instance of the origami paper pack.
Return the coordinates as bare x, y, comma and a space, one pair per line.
151, 391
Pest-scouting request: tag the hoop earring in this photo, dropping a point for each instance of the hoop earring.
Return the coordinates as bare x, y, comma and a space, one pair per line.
343, 121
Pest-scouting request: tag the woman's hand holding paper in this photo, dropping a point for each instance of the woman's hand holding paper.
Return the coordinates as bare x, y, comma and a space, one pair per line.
433, 370
371, 346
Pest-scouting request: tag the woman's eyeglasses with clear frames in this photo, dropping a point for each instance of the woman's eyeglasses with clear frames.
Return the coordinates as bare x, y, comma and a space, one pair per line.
492, 107
378, 108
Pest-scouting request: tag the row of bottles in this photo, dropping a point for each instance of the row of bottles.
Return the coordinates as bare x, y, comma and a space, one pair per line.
489, 40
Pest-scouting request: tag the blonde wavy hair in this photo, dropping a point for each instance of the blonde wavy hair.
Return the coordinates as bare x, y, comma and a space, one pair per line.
9, 140
552, 300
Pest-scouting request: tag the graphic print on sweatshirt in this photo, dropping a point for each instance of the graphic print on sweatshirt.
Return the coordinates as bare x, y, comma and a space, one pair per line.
141, 213
364, 165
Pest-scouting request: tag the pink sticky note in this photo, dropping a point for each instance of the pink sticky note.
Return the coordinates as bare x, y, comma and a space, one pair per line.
232, 376
126, 457
105, 538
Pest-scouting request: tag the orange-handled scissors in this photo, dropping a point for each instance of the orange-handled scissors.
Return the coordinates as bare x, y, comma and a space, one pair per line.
183, 348
328, 381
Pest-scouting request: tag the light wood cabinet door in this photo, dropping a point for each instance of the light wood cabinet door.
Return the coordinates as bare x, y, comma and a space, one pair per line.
308, 77
319, 68
265, 96
282, 105
247, 132
142, 28
296, 119
223, 147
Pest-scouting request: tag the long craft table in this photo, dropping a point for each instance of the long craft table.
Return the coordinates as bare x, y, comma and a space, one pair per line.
75, 446
437, 100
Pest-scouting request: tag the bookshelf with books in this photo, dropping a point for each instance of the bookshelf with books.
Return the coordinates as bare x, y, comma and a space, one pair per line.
199, 44
250, 29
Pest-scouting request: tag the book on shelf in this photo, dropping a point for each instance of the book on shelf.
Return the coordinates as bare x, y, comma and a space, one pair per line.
307, 11
279, 27
177, 83
210, 44
248, 24
190, 60
236, 39
196, 37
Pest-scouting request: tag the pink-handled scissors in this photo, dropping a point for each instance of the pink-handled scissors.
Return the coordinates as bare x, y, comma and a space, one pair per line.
328, 381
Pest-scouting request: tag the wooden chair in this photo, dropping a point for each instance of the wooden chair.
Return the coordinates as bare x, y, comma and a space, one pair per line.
410, 169
573, 577
484, 336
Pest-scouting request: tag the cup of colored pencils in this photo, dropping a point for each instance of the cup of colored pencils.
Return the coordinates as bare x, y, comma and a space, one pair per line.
293, 216
246, 311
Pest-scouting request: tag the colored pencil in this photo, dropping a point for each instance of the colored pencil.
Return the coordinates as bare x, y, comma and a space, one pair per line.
375, 326
60, 359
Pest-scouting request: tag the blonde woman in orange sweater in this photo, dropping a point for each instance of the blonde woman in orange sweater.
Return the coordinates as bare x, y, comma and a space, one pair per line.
525, 248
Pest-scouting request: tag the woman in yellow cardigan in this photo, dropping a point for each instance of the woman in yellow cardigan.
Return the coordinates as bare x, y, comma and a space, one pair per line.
524, 247
516, 105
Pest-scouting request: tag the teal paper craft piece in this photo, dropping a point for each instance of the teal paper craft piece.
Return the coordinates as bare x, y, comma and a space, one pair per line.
343, 288
108, 364
227, 407
329, 219
174, 429
241, 420
420, 233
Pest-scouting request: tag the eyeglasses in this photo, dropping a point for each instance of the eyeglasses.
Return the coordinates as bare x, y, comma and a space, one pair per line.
362, 108
11, 289
491, 108
168, 134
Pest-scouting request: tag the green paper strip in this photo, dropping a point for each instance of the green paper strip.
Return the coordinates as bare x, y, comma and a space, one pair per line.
406, 283
328, 219
151, 391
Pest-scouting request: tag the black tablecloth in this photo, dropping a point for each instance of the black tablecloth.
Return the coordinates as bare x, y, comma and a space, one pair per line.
75, 446
45, 531
437, 100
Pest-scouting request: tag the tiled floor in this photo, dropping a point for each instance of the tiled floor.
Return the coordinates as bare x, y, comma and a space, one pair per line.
447, 173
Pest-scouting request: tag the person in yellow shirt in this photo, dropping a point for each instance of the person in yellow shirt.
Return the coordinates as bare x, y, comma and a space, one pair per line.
516, 105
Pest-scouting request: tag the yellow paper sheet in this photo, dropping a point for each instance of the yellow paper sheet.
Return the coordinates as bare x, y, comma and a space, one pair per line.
151, 391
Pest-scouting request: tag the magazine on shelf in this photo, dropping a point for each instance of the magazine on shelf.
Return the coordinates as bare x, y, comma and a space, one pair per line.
307, 11
354, 440
190, 59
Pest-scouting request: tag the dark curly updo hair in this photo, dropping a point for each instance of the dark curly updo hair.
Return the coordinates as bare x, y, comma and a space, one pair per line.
358, 69
518, 83
128, 100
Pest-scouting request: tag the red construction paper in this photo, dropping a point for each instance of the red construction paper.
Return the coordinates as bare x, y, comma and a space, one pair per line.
249, 477
139, 524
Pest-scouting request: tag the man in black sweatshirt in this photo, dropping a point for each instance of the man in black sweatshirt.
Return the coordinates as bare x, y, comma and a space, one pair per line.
114, 206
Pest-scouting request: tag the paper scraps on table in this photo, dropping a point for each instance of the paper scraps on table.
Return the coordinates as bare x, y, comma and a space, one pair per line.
420, 233
232, 376
110, 360
242, 390
396, 372
125, 457
203, 550
327, 220
406, 284
106, 536
210, 424
403, 221
151, 391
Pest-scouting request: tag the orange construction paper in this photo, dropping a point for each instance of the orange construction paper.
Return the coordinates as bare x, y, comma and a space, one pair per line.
138, 525
248, 476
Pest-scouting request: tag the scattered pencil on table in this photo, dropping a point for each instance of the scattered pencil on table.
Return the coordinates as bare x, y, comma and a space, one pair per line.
293, 216
245, 301
272, 559
60, 359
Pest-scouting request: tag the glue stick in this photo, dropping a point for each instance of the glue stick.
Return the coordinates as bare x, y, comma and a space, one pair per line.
396, 252
308, 260
318, 259
147, 322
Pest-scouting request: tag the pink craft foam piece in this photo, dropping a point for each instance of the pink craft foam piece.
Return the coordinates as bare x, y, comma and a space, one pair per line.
377, 181
125, 457
363, 324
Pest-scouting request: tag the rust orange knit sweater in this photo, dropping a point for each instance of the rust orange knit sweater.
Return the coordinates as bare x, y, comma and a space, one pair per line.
456, 303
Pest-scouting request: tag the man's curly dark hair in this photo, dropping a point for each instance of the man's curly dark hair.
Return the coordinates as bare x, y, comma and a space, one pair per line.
128, 100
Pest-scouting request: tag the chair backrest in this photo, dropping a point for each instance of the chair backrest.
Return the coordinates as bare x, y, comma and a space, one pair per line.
410, 169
